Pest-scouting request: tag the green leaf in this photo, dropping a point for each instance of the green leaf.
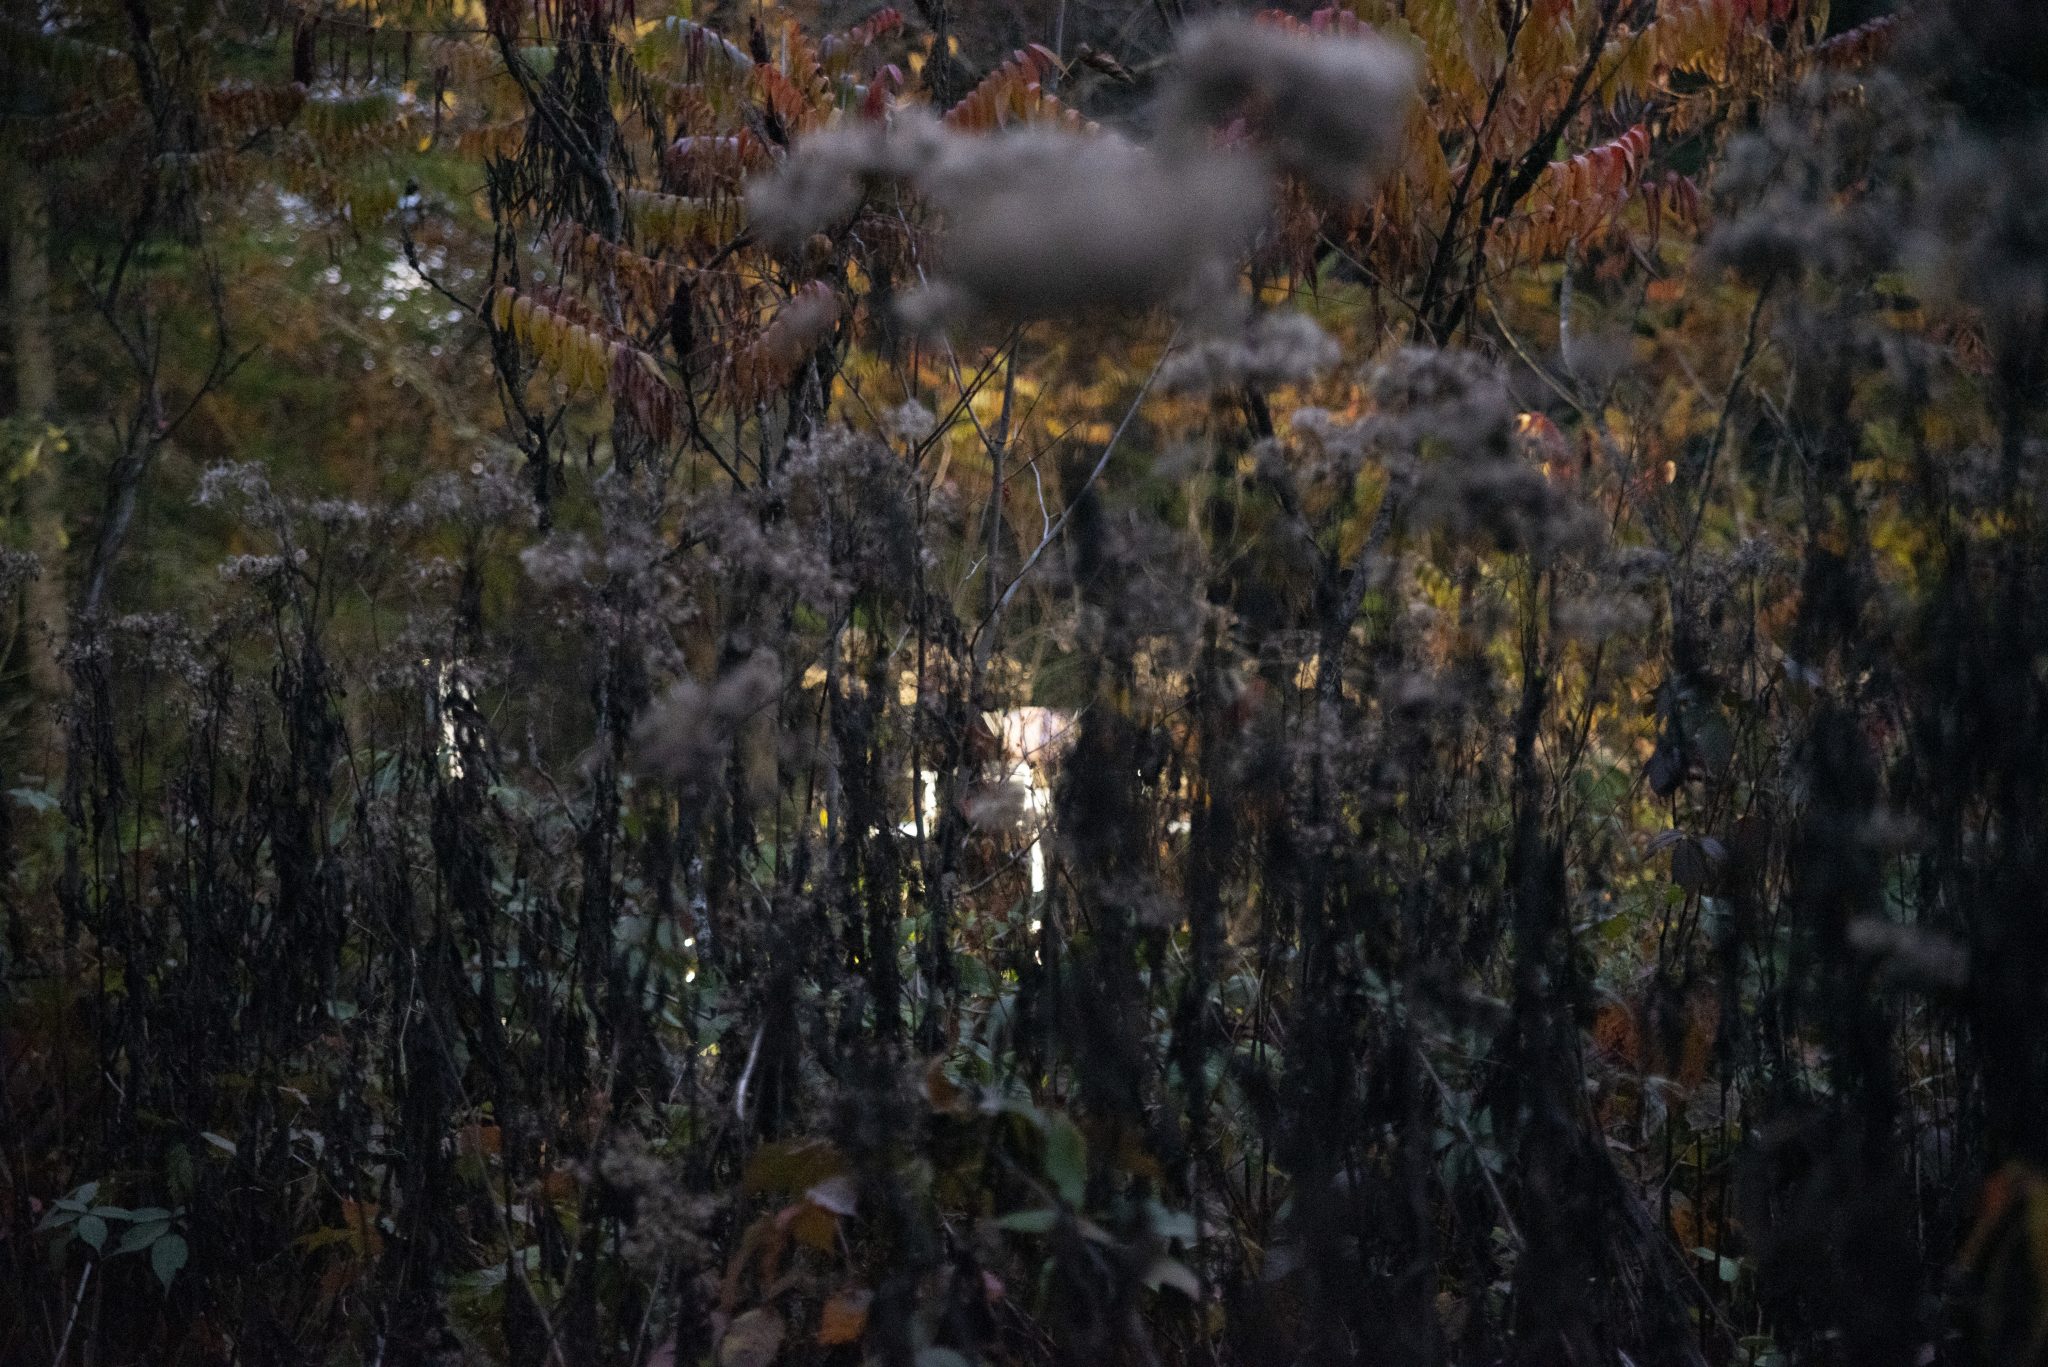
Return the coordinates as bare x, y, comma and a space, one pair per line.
167, 1256
1029, 1221
178, 1170
482, 1280
1066, 1159
942, 1357
35, 799
1176, 1274
1172, 1224
792, 1166
85, 1193
148, 1214
142, 1236
92, 1232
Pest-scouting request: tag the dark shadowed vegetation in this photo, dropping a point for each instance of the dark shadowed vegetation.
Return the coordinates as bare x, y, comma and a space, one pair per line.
1053, 682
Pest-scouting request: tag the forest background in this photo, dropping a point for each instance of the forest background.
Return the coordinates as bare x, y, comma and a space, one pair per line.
1061, 681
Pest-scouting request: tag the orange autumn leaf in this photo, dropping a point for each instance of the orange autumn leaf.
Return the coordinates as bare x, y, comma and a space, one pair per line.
845, 1317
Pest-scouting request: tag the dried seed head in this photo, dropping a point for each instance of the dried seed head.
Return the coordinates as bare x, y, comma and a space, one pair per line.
1329, 109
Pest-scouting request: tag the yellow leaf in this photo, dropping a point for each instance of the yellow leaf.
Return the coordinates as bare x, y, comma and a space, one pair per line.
811, 1225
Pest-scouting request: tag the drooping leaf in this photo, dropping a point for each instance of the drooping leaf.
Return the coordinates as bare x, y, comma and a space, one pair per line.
1029, 1221
1176, 1274
836, 1194
143, 1235
1066, 1158
791, 1166
167, 1257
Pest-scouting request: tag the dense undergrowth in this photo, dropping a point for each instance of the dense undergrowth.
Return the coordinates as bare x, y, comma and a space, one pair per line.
772, 685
